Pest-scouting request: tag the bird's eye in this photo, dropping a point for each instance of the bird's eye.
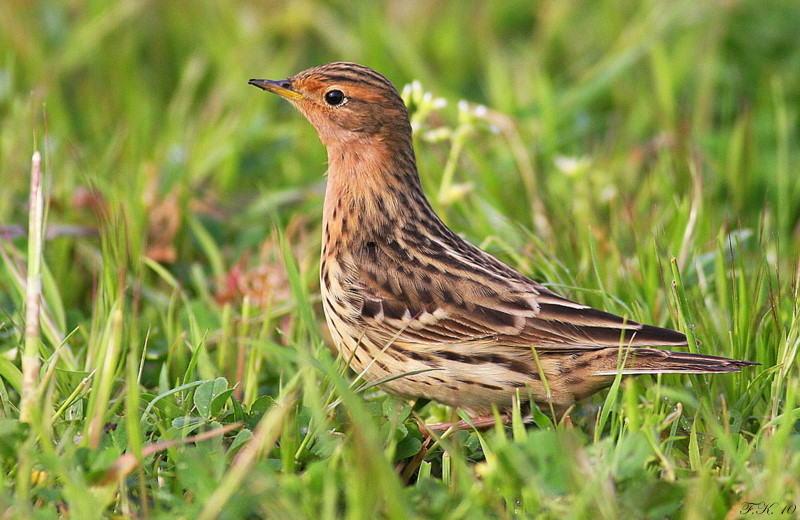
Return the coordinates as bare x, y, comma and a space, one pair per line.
334, 97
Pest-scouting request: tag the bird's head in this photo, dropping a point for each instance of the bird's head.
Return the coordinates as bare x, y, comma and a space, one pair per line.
346, 103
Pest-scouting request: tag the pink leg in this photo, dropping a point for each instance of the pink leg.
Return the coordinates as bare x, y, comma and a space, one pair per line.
480, 423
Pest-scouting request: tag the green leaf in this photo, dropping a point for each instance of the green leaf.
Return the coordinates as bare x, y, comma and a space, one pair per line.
238, 411
219, 401
242, 437
408, 447
11, 373
258, 409
206, 393
188, 423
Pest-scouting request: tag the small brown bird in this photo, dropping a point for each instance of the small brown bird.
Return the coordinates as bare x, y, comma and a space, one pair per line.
410, 303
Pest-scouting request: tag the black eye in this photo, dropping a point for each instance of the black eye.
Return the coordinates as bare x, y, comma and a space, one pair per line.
334, 97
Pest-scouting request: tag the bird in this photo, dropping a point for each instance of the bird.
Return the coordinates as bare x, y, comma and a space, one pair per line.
427, 315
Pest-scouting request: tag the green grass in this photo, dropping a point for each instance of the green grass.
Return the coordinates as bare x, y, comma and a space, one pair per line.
640, 156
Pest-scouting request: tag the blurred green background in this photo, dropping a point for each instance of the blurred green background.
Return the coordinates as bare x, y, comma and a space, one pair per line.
145, 99
123, 91
616, 135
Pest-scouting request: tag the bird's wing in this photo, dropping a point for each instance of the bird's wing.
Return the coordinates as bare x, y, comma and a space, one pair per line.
471, 297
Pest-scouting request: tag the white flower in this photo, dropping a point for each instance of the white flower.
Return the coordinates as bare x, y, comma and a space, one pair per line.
571, 166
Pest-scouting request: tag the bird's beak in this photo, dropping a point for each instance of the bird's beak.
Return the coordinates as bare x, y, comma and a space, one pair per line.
281, 87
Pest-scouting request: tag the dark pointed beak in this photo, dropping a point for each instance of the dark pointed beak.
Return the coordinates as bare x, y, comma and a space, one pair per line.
282, 87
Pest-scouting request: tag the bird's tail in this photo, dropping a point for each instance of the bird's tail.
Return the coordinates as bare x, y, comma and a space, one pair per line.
655, 361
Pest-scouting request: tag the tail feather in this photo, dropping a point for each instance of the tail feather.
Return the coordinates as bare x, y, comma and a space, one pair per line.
655, 361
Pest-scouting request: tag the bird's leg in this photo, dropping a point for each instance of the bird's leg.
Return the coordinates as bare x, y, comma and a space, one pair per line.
559, 415
407, 470
479, 423
430, 429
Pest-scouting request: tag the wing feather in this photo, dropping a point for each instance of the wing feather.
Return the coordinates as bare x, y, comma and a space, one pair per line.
453, 303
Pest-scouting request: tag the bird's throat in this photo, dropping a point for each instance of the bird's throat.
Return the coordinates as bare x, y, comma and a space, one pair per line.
370, 185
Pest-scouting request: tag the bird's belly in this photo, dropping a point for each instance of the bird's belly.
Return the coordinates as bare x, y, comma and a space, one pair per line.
474, 389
